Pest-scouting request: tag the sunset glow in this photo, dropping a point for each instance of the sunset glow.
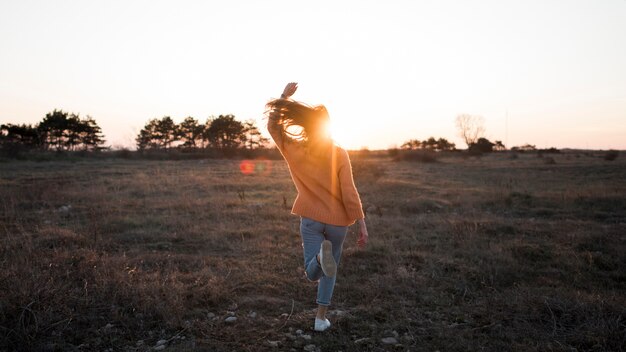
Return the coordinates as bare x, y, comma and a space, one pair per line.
343, 134
545, 73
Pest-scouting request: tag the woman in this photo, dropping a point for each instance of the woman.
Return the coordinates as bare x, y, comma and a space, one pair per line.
327, 200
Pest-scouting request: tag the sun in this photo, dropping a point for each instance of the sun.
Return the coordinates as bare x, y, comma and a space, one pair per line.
340, 134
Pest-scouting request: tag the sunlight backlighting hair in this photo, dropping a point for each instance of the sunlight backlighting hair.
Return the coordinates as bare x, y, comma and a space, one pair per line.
300, 121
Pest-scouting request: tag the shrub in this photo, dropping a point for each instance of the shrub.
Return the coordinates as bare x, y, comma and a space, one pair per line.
551, 150
393, 152
483, 145
123, 153
524, 148
13, 150
611, 155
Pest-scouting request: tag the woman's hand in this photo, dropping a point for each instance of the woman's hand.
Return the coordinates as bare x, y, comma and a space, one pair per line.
289, 90
363, 235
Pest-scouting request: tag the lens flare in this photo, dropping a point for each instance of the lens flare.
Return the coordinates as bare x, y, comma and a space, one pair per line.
256, 167
246, 167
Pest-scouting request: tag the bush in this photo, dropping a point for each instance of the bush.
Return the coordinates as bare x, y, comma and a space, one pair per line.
123, 153
13, 150
483, 145
548, 151
393, 152
611, 155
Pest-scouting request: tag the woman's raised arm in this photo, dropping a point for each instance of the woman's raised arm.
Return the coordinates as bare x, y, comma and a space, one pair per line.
274, 125
289, 90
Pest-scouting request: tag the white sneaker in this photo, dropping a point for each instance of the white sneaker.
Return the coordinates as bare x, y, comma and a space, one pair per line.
321, 325
329, 267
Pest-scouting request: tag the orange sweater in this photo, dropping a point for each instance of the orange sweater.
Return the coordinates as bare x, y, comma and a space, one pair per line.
326, 190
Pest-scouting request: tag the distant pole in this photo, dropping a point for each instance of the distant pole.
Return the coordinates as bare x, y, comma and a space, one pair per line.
506, 128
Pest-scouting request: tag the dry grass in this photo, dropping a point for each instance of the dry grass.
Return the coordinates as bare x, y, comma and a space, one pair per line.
492, 253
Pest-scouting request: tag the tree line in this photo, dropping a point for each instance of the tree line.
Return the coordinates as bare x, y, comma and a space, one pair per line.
58, 130
63, 131
222, 132
471, 129
431, 143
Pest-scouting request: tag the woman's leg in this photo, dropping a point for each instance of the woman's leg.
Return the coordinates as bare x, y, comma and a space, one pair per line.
312, 233
336, 235
321, 312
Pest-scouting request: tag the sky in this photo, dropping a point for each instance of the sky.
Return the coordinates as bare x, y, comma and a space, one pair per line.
550, 73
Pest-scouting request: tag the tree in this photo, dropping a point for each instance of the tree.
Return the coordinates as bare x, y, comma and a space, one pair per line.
148, 137
471, 128
190, 132
52, 129
90, 135
499, 146
71, 133
157, 134
253, 137
206, 139
429, 144
225, 132
411, 144
167, 131
25, 135
65, 131
482, 145
443, 144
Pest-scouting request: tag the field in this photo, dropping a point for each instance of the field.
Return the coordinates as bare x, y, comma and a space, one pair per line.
498, 253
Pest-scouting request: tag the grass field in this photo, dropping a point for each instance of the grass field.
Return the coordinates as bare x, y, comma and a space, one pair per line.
466, 254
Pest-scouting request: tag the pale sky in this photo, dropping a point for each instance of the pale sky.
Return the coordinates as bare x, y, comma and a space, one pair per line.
388, 71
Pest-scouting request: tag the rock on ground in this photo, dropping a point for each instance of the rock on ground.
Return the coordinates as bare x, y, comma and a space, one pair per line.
389, 340
273, 343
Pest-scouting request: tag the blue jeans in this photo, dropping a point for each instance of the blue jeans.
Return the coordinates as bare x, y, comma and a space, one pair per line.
313, 234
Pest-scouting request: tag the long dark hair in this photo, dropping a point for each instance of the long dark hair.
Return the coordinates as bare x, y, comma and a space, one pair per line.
300, 122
